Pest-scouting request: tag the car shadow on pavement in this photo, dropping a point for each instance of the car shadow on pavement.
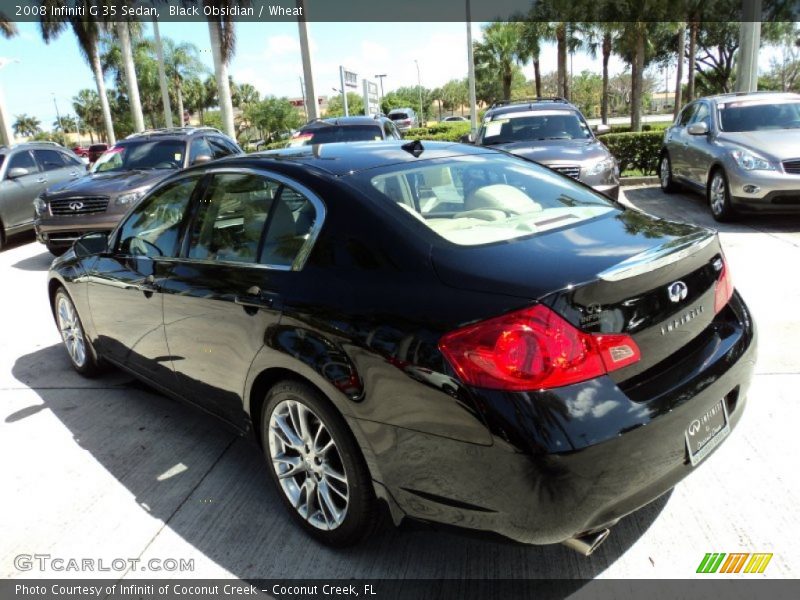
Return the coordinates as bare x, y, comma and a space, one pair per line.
40, 262
211, 488
688, 207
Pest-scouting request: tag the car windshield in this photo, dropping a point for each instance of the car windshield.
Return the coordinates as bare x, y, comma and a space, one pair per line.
336, 133
146, 154
535, 125
759, 115
473, 200
398, 116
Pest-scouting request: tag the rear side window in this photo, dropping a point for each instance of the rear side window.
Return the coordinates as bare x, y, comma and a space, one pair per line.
337, 133
49, 160
231, 219
477, 200
290, 225
399, 116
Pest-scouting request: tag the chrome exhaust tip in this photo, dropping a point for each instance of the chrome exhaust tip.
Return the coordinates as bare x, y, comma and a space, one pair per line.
587, 544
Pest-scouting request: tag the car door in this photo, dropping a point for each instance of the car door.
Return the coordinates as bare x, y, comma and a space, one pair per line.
124, 285
57, 166
676, 140
18, 193
698, 147
223, 298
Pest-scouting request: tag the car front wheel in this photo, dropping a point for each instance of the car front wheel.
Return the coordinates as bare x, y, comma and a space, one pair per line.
668, 185
317, 466
719, 197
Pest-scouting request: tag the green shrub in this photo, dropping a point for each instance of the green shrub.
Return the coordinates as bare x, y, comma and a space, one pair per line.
637, 151
440, 132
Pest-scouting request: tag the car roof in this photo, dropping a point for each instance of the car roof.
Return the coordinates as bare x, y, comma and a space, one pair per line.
532, 105
43, 145
342, 121
344, 158
397, 110
745, 96
176, 133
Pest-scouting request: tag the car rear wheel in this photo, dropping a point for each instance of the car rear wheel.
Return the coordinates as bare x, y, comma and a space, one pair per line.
668, 185
316, 465
81, 353
719, 197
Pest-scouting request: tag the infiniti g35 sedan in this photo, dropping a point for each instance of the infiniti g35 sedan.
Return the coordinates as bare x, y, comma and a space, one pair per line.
446, 331
742, 151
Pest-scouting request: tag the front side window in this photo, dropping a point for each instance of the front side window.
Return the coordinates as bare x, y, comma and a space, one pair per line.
153, 228
702, 114
231, 219
758, 115
535, 125
49, 160
199, 147
686, 115
22, 160
144, 155
473, 200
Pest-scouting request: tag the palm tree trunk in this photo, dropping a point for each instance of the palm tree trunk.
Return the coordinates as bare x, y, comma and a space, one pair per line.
223, 85
180, 104
679, 74
637, 74
692, 57
561, 50
97, 69
537, 76
124, 35
507, 75
162, 76
606, 58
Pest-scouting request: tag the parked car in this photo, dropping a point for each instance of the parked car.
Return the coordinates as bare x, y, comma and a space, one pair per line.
345, 129
25, 171
742, 151
119, 178
81, 151
404, 118
458, 333
95, 151
554, 133
454, 119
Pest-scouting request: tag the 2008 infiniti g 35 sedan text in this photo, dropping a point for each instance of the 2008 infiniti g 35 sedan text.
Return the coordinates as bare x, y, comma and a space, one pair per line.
461, 335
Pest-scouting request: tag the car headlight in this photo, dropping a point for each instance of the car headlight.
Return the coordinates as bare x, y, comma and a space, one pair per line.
40, 206
129, 198
607, 164
751, 162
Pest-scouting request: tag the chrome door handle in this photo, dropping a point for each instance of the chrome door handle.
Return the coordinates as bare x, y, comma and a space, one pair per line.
42, 180
254, 298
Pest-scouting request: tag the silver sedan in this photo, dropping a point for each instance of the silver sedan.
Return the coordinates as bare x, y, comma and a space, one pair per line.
741, 150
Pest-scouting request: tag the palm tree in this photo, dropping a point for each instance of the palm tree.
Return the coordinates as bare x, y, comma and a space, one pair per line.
162, 77
87, 107
679, 73
65, 124
26, 126
246, 95
532, 34
499, 51
222, 33
87, 29
7, 30
123, 30
181, 62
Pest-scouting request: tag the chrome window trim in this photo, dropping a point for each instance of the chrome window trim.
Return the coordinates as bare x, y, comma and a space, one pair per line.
305, 250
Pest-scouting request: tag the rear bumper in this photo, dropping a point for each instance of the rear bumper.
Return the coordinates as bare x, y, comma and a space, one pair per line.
575, 459
63, 231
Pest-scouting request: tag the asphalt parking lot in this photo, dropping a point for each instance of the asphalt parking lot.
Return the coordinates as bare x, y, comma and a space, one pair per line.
108, 469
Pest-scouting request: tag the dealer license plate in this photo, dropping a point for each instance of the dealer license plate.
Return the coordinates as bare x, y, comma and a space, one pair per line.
706, 432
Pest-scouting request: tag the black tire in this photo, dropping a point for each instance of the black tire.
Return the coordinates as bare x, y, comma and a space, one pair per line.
718, 194
87, 363
361, 513
668, 185
2, 237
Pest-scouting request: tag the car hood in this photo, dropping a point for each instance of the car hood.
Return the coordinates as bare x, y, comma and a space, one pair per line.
556, 151
779, 144
108, 184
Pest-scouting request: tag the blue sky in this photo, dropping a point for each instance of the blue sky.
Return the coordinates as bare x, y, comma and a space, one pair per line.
267, 56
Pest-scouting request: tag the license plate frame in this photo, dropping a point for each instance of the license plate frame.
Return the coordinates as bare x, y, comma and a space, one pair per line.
706, 432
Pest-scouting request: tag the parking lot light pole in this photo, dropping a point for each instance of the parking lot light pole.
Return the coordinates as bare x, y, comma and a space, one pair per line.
381, 80
419, 87
473, 109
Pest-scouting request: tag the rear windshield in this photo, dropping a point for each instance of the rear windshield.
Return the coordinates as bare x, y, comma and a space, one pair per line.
398, 116
147, 154
473, 200
759, 115
535, 125
337, 133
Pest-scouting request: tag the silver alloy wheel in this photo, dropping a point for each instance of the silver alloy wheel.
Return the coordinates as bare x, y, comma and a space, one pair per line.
308, 465
665, 174
718, 193
71, 331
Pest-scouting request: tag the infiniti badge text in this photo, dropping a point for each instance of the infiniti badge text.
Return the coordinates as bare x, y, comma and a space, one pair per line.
682, 320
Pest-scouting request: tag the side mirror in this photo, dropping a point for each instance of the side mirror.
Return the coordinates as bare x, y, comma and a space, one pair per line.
17, 172
602, 128
90, 244
700, 128
201, 158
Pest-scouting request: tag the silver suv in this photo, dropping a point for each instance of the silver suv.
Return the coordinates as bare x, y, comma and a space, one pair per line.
26, 170
741, 150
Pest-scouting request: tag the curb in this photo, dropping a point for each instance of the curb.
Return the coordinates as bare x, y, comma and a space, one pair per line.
645, 180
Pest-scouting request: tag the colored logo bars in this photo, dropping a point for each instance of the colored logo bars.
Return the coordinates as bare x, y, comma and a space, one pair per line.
717, 563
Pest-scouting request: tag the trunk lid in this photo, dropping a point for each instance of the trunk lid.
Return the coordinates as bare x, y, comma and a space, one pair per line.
622, 273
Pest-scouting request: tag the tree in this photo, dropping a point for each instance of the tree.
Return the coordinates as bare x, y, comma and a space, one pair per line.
246, 94
123, 30
533, 34
181, 62
65, 124
355, 105
454, 94
272, 116
222, 33
87, 29
87, 107
498, 53
26, 126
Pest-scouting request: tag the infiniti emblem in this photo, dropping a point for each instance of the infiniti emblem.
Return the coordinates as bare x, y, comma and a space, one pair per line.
75, 205
677, 291
694, 427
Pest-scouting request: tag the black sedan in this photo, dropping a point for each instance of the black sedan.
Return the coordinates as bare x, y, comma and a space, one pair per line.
448, 331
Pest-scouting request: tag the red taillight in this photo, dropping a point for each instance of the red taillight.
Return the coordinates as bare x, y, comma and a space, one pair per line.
724, 287
531, 349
